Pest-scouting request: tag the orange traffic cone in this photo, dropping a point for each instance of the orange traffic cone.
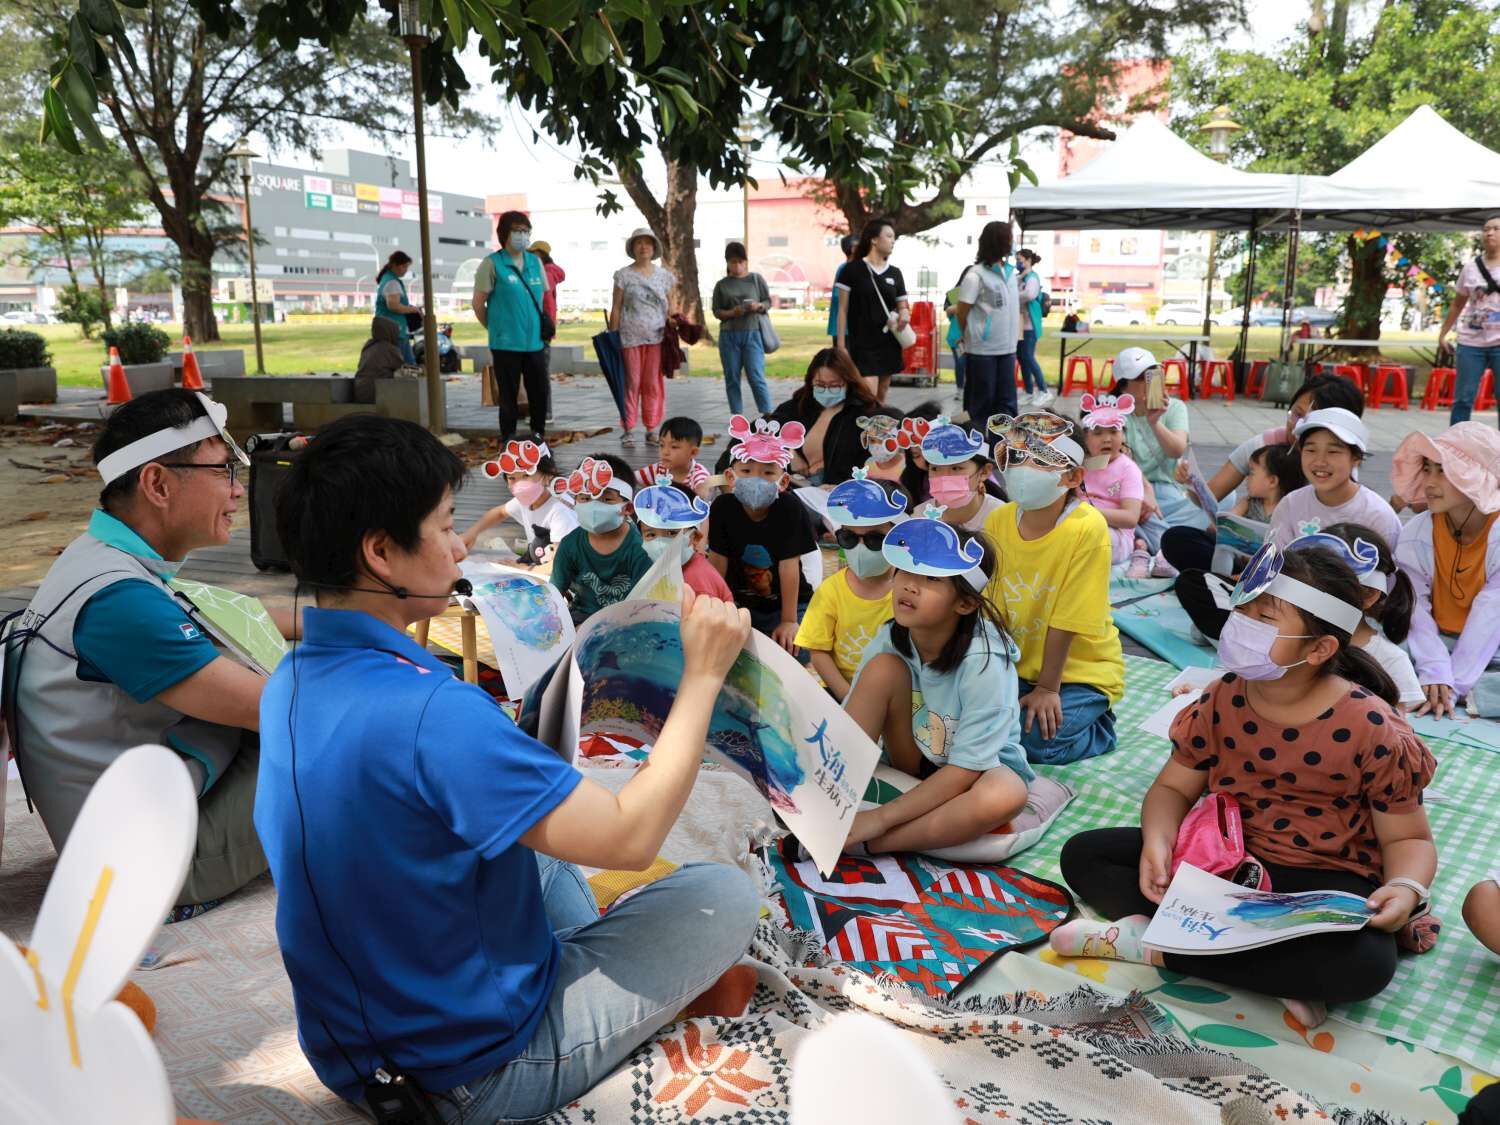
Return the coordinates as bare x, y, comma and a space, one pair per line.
192, 378
119, 389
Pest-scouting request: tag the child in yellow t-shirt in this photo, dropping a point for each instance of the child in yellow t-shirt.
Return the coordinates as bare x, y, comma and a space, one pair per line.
849, 608
1054, 590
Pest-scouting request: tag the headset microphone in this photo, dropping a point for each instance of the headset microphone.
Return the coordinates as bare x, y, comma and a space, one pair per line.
462, 586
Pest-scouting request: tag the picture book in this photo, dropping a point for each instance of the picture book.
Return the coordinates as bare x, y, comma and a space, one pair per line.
526, 617
1203, 914
1200, 490
237, 621
1236, 536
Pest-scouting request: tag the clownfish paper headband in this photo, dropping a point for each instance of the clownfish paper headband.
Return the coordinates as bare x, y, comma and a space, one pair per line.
884, 437
1105, 412
590, 480
767, 441
518, 457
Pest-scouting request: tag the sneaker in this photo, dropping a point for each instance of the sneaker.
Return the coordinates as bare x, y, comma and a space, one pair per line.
1042, 400
1023, 399
1140, 564
1161, 568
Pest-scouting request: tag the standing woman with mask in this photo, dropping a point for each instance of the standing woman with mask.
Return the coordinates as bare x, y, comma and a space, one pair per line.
873, 308
639, 314
391, 302
829, 404
508, 293
1030, 286
1476, 311
988, 313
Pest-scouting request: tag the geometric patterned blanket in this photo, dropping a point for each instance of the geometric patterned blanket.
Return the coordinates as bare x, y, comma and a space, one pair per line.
926, 922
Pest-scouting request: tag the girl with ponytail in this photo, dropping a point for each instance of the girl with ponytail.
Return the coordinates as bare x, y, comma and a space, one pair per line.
1302, 734
1388, 598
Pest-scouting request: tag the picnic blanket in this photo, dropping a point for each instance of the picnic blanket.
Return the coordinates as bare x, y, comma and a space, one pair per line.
1077, 1055
1447, 999
926, 922
1159, 623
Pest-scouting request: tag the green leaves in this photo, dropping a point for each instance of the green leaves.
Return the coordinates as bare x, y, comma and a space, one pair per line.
1450, 1089
594, 46
536, 55
556, 14
1227, 1035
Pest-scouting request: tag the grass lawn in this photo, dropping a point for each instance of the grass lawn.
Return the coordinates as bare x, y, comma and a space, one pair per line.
332, 343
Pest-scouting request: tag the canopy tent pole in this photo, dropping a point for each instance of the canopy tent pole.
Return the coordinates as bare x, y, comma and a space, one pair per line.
1242, 365
1289, 283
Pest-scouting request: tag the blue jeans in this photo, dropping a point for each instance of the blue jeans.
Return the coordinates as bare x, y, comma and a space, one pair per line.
989, 388
1177, 511
1031, 370
406, 352
743, 351
1087, 729
621, 979
960, 361
1470, 365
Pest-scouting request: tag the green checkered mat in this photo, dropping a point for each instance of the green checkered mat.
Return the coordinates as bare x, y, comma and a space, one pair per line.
1448, 999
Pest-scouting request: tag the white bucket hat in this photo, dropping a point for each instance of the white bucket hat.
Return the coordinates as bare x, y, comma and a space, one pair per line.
641, 232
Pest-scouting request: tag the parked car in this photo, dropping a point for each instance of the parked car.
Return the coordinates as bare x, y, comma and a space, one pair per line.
1180, 312
1114, 316
23, 316
1312, 314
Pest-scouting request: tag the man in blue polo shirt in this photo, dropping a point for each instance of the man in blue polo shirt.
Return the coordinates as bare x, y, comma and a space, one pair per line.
429, 913
107, 656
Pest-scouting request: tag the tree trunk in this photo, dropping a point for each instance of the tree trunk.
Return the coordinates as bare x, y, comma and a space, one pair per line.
198, 320
671, 220
95, 243
1367, 286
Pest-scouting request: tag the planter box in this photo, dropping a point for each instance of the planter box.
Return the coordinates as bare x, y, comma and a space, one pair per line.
212, 362
25, 384
10, 401
142, 377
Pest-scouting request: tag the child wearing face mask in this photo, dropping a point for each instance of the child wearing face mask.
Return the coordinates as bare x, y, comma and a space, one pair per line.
758, 532
886, 440
937, 687
1452, 554
672, 520
1111, 480
600, 561
545, 517
1054, 589
849, 608
958, 463
1330, 445
1302, 733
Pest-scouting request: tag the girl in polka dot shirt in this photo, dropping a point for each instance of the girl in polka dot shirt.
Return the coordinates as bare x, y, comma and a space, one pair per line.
1304, 735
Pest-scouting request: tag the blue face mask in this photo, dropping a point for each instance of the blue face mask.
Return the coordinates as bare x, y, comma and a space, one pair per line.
756, 492
595, 515
829, 396
1032, 488
866, 561
520, 239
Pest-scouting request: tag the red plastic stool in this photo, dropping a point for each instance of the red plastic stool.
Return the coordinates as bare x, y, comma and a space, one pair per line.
1389, 387
1355, 372
1175, 378
1485, 400
1439, 390
1218, 379
1070, 380
1255, 378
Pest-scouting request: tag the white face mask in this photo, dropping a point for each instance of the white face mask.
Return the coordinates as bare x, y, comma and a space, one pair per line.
1245, 647
1032, 488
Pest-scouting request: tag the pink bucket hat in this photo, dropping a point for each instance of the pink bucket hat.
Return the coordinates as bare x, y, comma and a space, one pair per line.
1470, 455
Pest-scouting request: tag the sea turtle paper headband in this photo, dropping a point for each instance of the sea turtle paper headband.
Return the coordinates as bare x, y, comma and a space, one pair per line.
170, 439
1039, 437
926, 545
519, 457
947, 444
768, 441
860, 502
669, 508
590, 480
1262, 575
1363, 557
1105, 412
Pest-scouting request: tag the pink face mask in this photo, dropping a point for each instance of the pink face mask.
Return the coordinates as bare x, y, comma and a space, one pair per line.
951, 490
527, 491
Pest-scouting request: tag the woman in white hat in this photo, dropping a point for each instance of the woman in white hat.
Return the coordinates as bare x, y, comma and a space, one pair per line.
639, 314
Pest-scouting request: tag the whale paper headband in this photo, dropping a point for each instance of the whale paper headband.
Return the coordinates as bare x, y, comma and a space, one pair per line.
1363, 557
947, 444
926, 545
669, 508
212, 423
589, 481
1262, 575
860, 502
1106, 412
519, 457
767, 441
1040, 437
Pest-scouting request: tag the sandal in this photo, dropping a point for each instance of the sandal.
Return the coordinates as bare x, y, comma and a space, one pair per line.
627, 439
652, 439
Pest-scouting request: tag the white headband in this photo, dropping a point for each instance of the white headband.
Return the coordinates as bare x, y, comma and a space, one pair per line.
1067, 445
1334, 610
1376, 581
144, 450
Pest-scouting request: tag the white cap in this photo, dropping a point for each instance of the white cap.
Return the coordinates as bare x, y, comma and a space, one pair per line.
1132, 363
1342, 424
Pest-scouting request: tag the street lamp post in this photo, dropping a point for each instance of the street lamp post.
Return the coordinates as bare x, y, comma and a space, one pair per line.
414, 33
746, 139
243, 154
1220, 130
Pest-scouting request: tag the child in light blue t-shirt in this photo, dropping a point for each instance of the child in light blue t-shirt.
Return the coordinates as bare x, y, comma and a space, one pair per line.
938, 687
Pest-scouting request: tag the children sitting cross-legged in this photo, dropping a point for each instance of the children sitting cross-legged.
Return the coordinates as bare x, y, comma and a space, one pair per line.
958, 463
1452, 554
1330, 445
938, 686
599, 562
1053, 586
1302, 733
1112, 481
677, 463
544, 516
672, 520
849, 608
758, 532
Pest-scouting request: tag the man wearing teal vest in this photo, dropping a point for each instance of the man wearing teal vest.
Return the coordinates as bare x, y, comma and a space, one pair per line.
391, 301
508, 293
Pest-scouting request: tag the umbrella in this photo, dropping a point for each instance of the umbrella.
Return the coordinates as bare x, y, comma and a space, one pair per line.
612, 362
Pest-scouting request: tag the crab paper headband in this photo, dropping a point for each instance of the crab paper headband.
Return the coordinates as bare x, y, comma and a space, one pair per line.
590, 480
926, 545
669, 508
860, 502
1040, 437
1363, 557
1262, 575
947, 444
518, 457
1106, 412
767, 441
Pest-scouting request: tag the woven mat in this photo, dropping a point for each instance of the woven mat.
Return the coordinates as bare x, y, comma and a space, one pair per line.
1160, 624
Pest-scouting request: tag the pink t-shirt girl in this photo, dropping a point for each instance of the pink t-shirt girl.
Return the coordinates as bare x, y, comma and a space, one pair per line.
1109, 487
1479, 323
